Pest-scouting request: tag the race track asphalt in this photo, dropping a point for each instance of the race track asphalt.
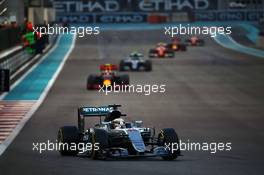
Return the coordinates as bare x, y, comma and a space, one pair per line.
212, 95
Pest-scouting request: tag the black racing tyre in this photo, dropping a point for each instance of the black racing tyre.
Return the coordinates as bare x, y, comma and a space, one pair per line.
171, 53
99, 137
152, 51
201, 42
124, 79
169, 136
148, 65
183, 47
122, 66
91, 80
188, 42
67, 136
169, 46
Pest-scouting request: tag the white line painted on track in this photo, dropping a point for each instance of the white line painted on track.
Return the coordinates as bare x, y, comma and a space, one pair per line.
12, 136
229, 43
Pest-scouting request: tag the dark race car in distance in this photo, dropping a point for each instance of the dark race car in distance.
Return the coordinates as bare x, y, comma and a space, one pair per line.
135, 62
161, 51
177, 45
107, 77
194, 41
116, 138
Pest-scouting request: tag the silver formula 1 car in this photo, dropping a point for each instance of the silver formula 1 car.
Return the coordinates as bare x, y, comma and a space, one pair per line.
115, 138
135, 62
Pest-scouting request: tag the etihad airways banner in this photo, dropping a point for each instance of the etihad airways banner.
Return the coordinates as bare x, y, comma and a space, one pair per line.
229, 15
123, 11
96, 6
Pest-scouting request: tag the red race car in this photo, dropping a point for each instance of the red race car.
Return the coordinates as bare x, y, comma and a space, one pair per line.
107, 77
161, 51
177, 45
195, 41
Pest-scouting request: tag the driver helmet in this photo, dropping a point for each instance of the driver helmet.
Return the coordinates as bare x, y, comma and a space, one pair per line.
118, 123
161, 44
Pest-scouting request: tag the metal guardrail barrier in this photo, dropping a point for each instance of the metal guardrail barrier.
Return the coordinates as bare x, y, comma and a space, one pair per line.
4, 80
17, 59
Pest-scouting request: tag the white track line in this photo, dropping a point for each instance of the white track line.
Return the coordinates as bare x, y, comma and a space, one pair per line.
34, 108
240, 48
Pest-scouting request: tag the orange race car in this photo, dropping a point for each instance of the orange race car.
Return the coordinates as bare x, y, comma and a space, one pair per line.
194, 41
161, 51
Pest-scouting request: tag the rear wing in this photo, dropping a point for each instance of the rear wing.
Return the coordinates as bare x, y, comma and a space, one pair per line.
108, 67
135, 54
94, 111
109, 112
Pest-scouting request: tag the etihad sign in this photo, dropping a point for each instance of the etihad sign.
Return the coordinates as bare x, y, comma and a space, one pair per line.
129, 5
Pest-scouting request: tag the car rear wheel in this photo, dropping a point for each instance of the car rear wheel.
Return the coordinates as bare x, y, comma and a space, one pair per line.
171, 53
183, 47
168, 136
91, 80
67, 137
201, 42
99, 138
151, 52
124, 79
122, 66
148, 65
